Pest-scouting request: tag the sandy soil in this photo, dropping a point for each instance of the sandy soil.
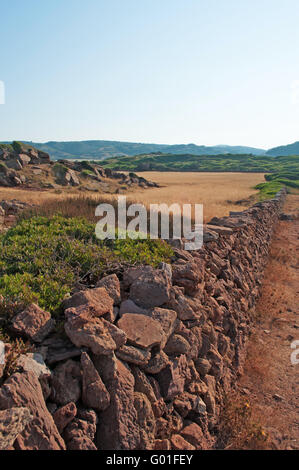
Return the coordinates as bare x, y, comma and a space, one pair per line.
271, 381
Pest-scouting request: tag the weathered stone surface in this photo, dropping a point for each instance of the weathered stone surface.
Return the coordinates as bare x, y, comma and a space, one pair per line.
79, 435
162, 444
195, 436
118, 335
219, 229
203, 366
64, 415
34, 323
98, 301
143, 384
179, 443
112, 285
167, 319
60, 349
85, 330
131, 274
157, 363
12, 422
128, 306
145, 421
150, 289
118, 429
171, 379
34, 362
209, 397
188, 275
187, 402
66, 383
133, 355
177, 345
94, 392
183, 306
141, 330
24, 390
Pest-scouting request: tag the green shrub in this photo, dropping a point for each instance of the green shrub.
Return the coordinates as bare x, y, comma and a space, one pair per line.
43, 257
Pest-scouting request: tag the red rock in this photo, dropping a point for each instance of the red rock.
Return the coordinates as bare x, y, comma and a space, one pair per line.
24, 390
189, 275
157, 363
12, 423
117, 429
145, 421
167, 319
94, 392
112, 285
177, 345
183, 306
171, 379
79, 435
33, 322
88, 331
66, 383
195, 436
141, 330
98, 301
133, 355
132, 274
128, 306
118, 336
143, 385
64, 415
179, 443
150, 289
162, 444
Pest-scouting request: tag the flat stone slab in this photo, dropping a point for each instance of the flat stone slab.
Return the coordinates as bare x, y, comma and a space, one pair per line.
141, 330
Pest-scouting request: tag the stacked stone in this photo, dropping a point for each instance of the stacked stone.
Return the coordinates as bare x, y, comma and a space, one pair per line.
147, 355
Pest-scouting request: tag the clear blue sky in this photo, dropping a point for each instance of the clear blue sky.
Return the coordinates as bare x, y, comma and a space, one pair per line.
163, 71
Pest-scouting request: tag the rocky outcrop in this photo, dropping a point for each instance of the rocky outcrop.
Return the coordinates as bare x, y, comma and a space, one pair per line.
149, 352
23, 165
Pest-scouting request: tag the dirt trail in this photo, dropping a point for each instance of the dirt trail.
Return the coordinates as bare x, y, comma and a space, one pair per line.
270, 380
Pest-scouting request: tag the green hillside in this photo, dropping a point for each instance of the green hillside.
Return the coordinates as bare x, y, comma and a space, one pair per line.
214, 163
101, 149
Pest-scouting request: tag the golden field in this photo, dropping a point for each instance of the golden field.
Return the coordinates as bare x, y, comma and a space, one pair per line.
218, 192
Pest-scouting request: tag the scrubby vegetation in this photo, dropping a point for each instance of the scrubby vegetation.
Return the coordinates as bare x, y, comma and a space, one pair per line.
213, 163
42, 258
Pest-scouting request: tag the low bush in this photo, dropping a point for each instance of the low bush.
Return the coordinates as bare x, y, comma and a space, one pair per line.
42, 258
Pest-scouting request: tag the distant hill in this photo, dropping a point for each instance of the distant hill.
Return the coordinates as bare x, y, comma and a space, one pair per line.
291, 149
102, 149
213, 163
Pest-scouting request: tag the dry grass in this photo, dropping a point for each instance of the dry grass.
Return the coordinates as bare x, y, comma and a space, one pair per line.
218, 192
240, 427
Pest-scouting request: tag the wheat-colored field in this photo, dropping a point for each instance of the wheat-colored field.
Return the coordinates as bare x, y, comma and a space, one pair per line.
218, 192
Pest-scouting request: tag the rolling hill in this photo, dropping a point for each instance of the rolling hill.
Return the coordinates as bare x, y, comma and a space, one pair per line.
291, 149
102, 149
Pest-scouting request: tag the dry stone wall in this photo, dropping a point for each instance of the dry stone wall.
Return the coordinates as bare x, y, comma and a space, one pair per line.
147, 356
